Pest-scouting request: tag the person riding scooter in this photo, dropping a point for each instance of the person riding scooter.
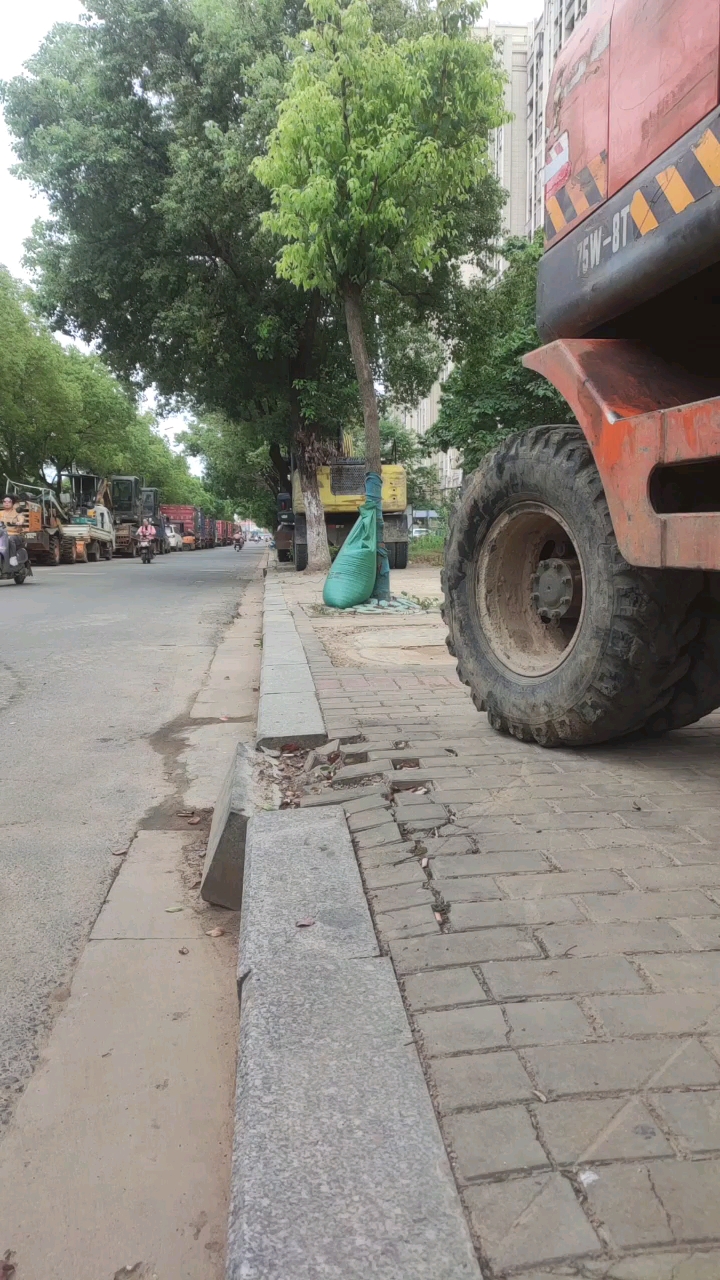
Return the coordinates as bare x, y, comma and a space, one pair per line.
12, 519
147, 533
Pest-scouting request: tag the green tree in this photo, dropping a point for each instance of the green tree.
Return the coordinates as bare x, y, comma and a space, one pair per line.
379, 144
489, 392
400, 444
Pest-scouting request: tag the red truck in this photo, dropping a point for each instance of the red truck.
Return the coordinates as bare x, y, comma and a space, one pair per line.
186, 520
581, 580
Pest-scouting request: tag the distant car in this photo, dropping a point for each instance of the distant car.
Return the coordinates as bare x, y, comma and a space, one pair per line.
173, 538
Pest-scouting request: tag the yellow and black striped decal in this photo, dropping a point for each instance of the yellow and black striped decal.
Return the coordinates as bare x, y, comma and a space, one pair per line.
584, 191
695, 174
669, 192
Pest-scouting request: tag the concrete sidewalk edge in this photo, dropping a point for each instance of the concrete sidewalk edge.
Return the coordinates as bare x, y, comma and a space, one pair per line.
339, 1168
289, 710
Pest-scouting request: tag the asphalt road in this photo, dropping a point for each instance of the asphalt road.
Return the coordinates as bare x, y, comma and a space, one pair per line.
94, 661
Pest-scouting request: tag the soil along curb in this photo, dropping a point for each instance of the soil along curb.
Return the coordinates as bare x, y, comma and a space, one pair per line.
339, 1169
289, 711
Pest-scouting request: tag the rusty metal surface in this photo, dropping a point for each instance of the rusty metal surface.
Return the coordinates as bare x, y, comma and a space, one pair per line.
638, 413
663, 78
577, 125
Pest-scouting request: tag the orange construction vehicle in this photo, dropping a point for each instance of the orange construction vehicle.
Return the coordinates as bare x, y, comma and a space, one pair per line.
582, 571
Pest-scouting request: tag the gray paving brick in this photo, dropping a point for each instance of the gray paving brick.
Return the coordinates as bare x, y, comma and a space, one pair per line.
479, 864
562, 882
613, 803
442, 987
368, 819
494, 1142
692, 1264
623, 1064
697, 972
540, 841
386, 833
414, 894
690, 1192
609, 939
532, 911
623, 1198
480, 1080
349, 772
665, 1014
698, 875
467, 889
385, 855
574, 821
547, 1022
407, 922
459, 1030
406, 812
498, 806
583, 1130
382, 877
489, 825
461, 948
695, 1117
560, 977
648, 906
701, 932
628, 858
623, 838
436, 846
530, 1220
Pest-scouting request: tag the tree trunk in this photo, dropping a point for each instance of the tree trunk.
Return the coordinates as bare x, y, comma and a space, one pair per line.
352, 298
317, 541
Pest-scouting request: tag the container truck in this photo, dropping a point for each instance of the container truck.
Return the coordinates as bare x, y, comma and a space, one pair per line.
185, 520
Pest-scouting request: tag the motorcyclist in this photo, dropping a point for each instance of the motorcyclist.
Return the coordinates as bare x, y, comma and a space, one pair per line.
12, 519
147, 533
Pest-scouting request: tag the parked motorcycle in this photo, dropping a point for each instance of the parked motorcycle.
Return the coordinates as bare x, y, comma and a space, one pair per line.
22, 568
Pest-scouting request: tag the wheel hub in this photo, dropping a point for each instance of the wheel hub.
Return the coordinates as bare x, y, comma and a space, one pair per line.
552, 589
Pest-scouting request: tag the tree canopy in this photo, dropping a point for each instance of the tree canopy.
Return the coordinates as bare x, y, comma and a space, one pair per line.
59, 408
489, 392
378, 161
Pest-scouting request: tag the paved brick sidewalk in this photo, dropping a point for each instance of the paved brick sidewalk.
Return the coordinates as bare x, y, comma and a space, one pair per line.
554, 920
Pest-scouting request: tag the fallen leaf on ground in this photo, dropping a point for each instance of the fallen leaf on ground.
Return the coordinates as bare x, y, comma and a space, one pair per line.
539, 1095
184, 951
169, 910
192, 822
304, 924
215, 933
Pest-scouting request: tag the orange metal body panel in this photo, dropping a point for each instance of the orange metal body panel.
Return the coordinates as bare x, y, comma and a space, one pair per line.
632, 79
577, 124
663, 78
638, 413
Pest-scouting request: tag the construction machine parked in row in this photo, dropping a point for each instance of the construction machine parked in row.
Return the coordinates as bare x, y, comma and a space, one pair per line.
582, 568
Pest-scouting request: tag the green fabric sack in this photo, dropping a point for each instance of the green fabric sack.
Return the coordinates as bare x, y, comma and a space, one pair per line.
352, 573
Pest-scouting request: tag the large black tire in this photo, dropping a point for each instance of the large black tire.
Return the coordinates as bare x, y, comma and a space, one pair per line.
107, 551
284, 555
401, 555
390, 547
69, 551
93, 552
624, 650
19, 577
53, 553
300, 555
